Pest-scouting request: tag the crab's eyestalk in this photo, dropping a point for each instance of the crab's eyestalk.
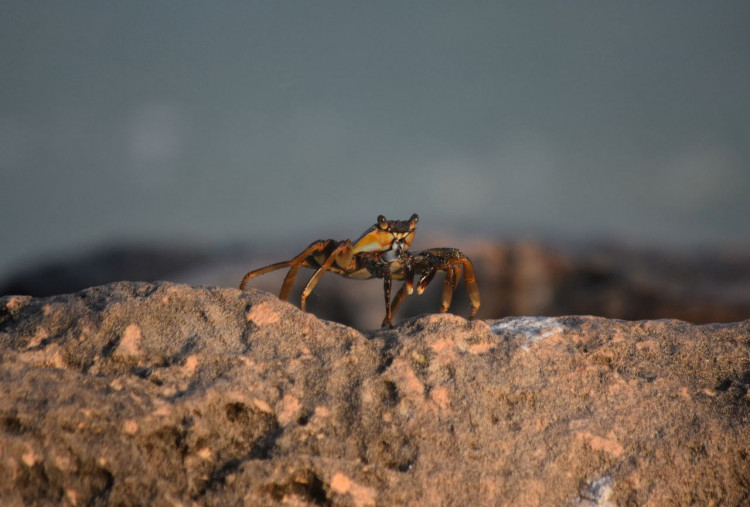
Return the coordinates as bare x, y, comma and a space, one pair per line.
382, 223
412, 224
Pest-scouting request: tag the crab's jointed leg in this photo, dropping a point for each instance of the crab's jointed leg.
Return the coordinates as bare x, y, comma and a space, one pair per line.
452, 276
387, 290
452, 262
303, 260
398, 299
341, 255
470, 280
295, 263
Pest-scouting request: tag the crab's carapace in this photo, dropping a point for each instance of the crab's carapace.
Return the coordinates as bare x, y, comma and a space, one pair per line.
387, 236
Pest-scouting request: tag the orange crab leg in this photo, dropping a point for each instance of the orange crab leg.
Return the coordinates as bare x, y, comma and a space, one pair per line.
286, 287
318, 246
472, 289
295, 263
449, 285
261, 271
451, 261
453, 276
342, 253
399, 298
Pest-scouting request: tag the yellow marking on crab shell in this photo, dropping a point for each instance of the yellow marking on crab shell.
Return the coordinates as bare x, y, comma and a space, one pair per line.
373, 240
408, 237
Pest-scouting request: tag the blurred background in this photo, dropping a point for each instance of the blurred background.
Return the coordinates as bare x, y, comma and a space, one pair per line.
595, 155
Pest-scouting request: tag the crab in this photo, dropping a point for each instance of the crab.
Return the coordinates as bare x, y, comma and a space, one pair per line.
378, 246
381, 252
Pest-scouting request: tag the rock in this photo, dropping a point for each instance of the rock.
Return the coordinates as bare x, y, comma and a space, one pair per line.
168, 394
138, 261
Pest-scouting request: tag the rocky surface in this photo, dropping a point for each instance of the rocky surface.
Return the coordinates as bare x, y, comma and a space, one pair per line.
165, 394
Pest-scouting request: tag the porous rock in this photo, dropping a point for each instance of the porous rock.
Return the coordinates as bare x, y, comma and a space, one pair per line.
139, 393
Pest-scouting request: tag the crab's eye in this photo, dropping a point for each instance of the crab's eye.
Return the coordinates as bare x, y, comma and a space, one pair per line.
414, 219
382, 222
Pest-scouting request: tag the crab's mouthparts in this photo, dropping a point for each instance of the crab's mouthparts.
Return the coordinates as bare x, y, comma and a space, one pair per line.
398, 247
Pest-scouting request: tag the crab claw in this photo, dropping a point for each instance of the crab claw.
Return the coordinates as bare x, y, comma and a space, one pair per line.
423, 283
408, 274
410, 285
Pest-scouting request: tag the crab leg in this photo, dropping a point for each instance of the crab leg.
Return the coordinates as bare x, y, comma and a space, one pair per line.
452, 275
295, 263
449, 285
399, 298
342, 251
451, 261
286, 287
452, 270
318, 246
261, 271
387, 292
470, 281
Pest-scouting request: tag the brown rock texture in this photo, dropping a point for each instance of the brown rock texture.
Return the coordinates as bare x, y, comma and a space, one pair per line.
166, 394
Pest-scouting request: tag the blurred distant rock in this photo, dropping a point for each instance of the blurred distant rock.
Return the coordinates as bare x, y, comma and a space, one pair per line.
166, 394
515, 278
108, 264
615, 282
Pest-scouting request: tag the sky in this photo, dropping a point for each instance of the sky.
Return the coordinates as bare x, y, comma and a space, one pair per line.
257, 122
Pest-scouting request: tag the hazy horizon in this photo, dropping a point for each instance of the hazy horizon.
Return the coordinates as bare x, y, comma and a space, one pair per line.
256, 122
